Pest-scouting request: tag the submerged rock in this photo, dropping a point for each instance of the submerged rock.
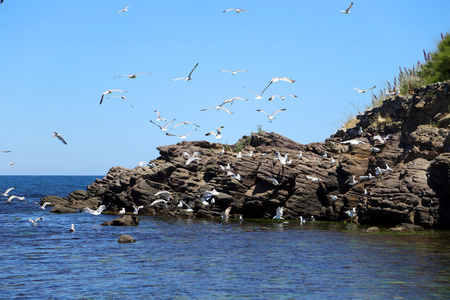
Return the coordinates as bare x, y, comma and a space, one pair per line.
127, 220
125, 238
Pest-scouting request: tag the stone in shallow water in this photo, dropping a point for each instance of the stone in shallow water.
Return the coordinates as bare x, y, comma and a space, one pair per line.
372, 229
126, 220
125, 238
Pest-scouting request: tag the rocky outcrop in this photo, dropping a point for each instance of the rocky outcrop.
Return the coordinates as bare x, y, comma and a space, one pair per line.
127, 220
406, 140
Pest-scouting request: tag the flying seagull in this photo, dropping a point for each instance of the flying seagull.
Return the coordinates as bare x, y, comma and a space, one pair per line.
231, 100
159, 201
218, 135
276, 79
34, 222
189, 76
5, 194
15, 197
234, 72
184, 136
124, 98
259, 96
124, 10
226, 213
238, 10
363, 91
192, 158
163, 128
137, 208
218, 107
347, 11
94, 212
110, 92
271, 117
282, 97
43, 205
55, 134
132, 76
159, 117
185, 123
279, 215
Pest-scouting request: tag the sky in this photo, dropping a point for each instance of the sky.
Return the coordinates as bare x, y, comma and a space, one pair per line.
58, 57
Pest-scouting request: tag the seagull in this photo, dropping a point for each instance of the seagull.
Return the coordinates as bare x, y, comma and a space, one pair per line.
393, 93
353, 142
218, 107
122, 211
250, 154
72, 228
110, 92
313, 179
231, 100
239, 155
302, 220
136, 209
34, 222
43, 205
363, 91
279, 215
124, 10
352, 181
11, 163
282, 97
333, 197
360, 131
5, 194
132, 76
271, 117
96, 212
347, 11
366, 193
218, 135
273, 181
325, 155
351, 213
299, 155
192, 158
159, 201
258, 96
222, 151
181, 136
189, 76
55, 134
159, 117
163, 128
238, 10
381, 139
234, 72
15, 197
283, 159
185, 123
276, 79
226, 213
165, 193
237, 177
366, 177
375, 149
123, 98
189, 209
389, 169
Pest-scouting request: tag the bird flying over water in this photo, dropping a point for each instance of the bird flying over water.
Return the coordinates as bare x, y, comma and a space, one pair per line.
137, 208
34, 222
57, 135
238, 10
189, 76
94, 212
5, 194
279, 215
218, 135
271, 117
234, 72
43, 205
110, 92
15, 197
363, 91
347, 11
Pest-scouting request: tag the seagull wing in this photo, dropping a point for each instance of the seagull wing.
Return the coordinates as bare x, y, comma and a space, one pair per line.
348, 9
250, 90
262, 111
167, 124
156, 124
189, 76
283, 109
360, 91
266, 88
190, 132
223, 108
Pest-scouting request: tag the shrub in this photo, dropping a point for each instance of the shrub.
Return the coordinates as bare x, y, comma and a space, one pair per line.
437, 68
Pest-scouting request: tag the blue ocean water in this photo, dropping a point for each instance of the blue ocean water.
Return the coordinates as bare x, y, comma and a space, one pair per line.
177, 258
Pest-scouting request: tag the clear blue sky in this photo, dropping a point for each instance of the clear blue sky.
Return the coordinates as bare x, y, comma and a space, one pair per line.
58, 57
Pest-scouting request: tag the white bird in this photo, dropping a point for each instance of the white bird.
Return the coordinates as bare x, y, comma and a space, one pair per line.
366, 193
228, 167
379, 171
163, 128
213, 192
360, 131
353, 142
366, 177
282, 97
239, 155
351, 181
238, 10
382, 140
192, 158
5, 194
189, 209
389, 169
241, 218
222, 151
237, 177
258, 96
43, 205
110, 92
231, 100
124, 10
393, 93
273, 181
234, 72
351, 213
218, 135
283, 159
218, 107
183, 136
226, 213
122, 211
347, 11
276, 79
159, 117
375, 149
34, 222
333, 197
132, 76
363, 91
11, 163
313, 179
15, 197
279, 215
123, 98
57, 135
184, 123
165, 193
299, 155
159, 201
94, 212
302, 220
189, 76
332, 160
271, 117
72, 228
142, 163
250, 154
325, 155
137, 208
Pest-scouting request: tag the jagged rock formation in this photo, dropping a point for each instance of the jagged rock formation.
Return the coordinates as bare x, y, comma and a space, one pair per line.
408, 134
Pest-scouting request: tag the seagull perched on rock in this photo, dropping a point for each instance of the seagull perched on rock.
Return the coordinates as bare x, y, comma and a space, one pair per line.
393, 93
34, 222
276, 79
351, 213
271, 117
366, 177
375, 149
389, 169
218, 107
282, 97
351, 181
347, 11
94, 212
218, 135
189, 76
131, 76
234, 72
163, 128
283, 159
110, 92
183, 136
382, 139
258, 96
313, 179
192, 158
43, 205
279, 214
122, 211
182, 203
57, 135
353, 142
238, 10
273, 181
5, 194
123, 98
363, 91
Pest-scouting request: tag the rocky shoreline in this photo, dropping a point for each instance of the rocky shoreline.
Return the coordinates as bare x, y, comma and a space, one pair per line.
408, 134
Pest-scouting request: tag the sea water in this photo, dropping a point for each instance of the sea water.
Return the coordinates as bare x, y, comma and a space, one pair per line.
181, 258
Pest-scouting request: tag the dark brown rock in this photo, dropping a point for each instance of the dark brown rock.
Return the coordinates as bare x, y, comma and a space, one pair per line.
126, 220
